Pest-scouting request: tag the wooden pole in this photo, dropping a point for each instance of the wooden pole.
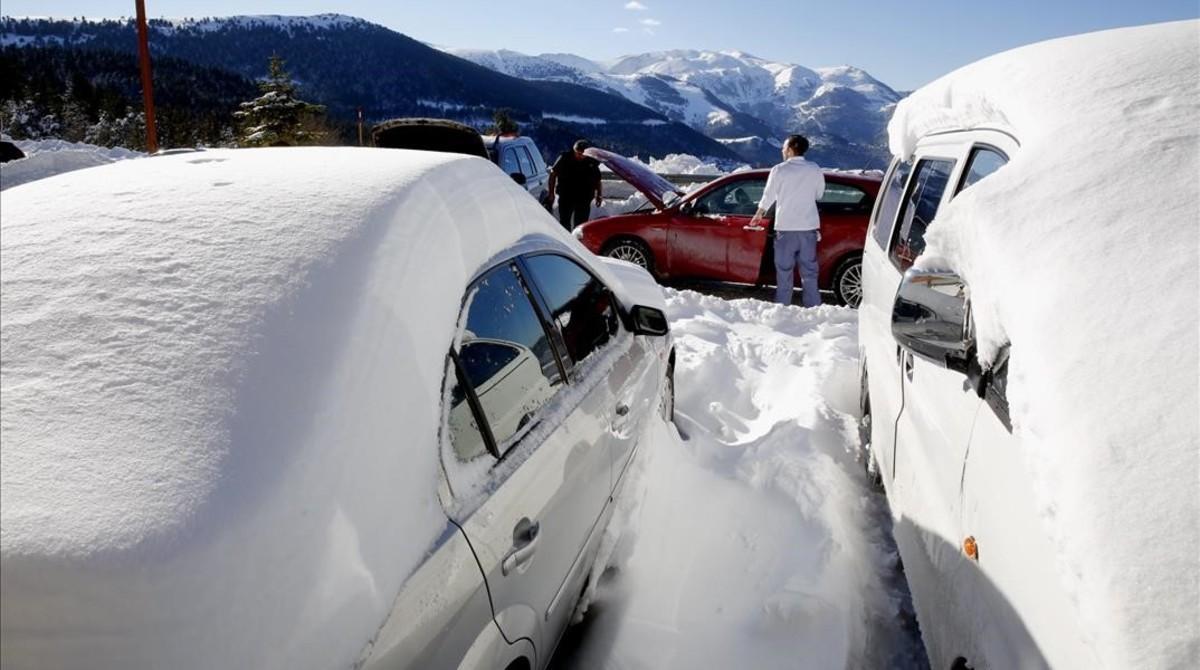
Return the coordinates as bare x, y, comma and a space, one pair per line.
147, 79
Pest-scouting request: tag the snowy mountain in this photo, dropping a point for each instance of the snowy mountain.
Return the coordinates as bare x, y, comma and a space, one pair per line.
746, 102
347, 63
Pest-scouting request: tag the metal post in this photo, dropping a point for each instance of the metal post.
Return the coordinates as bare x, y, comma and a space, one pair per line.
147, 79
360, 127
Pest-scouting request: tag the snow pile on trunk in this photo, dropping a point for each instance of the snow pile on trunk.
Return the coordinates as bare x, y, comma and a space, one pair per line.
1082, 253
758, 542
220, 398
46, 158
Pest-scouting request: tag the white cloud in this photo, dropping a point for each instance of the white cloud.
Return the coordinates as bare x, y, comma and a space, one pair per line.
636, 6
620, 30
650, 22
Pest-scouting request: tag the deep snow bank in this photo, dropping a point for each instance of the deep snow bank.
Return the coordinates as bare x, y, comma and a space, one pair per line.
757, 544
221, 376
45, 158
1083, 253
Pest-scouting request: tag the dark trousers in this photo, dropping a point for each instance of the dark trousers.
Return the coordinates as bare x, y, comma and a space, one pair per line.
573, 212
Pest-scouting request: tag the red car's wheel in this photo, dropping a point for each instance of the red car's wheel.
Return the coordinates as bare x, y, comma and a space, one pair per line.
633, 251
847, 282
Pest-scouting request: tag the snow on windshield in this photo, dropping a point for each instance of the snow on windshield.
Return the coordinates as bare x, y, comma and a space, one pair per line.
1081, 254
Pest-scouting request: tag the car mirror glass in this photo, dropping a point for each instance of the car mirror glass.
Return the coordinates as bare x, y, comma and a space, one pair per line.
930, 317
648, 321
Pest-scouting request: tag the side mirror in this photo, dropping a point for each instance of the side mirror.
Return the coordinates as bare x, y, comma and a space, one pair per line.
518, 177
931, 318
648, 321
687, 207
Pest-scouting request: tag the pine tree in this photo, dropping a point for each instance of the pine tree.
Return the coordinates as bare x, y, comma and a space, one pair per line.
503, 123
278, 117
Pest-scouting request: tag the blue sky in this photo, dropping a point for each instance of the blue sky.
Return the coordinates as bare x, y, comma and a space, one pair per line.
904, 44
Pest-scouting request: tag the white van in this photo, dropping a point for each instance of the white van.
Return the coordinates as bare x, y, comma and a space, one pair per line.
1051, 521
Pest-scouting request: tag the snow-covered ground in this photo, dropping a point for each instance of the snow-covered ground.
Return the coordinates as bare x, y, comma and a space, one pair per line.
45, 158
756, 542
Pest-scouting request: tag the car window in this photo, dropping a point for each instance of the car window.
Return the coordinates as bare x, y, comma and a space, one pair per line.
539, 163
842, 194
983, 162
526, 162
925, 191
885, 215
581, 306
737, 198
508, 161
506, 358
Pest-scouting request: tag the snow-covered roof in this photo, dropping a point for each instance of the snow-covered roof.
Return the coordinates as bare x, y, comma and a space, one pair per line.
1082, 253
220, 390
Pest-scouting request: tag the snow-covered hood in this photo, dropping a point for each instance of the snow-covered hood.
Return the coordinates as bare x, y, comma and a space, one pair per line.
220, 383
1082, 253
657, 190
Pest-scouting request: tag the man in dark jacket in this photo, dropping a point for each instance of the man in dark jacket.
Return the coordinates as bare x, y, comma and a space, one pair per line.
575, 178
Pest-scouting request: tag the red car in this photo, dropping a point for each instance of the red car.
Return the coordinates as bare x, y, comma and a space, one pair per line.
707, 234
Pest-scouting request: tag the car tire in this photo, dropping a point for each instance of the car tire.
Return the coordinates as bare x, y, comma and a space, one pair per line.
666, 406
870, 465
847, 281
634, 251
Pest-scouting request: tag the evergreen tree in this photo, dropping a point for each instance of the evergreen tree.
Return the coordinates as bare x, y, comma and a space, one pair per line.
502, 123
278, 117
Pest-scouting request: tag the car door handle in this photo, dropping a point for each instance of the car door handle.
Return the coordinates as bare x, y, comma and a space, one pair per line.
525, 537
755, 228
622, 409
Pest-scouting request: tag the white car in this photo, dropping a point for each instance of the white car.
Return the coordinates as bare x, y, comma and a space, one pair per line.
1028, 384
309, 408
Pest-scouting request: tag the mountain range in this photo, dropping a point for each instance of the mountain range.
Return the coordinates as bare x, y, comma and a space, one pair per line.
730, 106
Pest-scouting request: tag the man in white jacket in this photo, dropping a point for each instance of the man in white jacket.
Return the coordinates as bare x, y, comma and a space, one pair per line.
794, 187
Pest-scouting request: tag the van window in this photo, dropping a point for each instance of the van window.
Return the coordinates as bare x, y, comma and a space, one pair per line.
983, 162
507, 359
581, 306
508, 161
925, 192
539, 163
881, 230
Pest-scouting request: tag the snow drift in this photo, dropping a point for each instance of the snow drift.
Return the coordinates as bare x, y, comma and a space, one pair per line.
46, 158
1082, 253
221, 376
758, 543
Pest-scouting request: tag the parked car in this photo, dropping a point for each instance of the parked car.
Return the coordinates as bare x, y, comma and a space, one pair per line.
519, 157
1048, 527
377, 419
707, 234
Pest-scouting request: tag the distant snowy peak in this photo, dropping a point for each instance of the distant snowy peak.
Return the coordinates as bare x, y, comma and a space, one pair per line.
517, 64
577, 62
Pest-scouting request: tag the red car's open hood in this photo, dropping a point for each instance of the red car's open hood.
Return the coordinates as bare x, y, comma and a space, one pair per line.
657, 190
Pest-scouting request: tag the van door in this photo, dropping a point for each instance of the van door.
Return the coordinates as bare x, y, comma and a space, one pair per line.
1019, 594
880, 355
526, 464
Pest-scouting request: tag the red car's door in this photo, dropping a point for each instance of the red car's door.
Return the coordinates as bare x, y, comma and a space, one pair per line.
744, 243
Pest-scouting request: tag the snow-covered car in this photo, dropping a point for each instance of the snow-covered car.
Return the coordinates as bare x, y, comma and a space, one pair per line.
518, 156
1028, 334
308, 408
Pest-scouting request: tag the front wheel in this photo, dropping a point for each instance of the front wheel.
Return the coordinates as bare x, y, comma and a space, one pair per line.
666, 406
848, 282
632, 251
